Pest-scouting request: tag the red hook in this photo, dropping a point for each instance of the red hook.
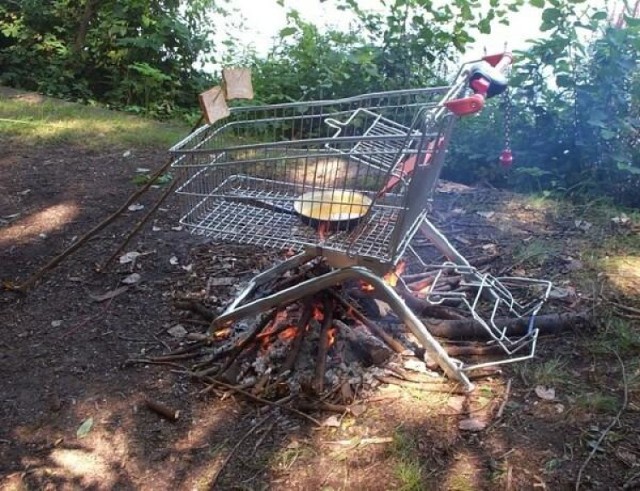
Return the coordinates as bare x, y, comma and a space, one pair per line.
506, 158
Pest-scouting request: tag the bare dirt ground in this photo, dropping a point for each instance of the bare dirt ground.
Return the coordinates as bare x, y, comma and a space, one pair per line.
74, 415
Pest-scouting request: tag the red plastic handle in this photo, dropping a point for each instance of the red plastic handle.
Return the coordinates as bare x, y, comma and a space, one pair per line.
466, 105
500, 61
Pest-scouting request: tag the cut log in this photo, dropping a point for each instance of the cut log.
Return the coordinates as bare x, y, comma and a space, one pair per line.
196, 307
376, 330
472, 329
370, 349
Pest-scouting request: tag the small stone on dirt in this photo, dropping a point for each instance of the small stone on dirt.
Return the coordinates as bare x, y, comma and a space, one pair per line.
136, 207
129, 257
545, 393
177, 331
472, 424
56, 323
332, 422
173, 260
132, 279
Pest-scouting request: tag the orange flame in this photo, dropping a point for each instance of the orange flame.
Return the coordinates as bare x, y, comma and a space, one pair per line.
391, 278
223, 333
317, 313
331, 334
289, 333
323, 229
366, 287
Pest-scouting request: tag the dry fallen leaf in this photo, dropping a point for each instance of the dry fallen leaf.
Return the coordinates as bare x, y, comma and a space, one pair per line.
357, 409
486, 214
84, 429
472, 424
132, 279
129, 257
545, 393
332, 422
108, 295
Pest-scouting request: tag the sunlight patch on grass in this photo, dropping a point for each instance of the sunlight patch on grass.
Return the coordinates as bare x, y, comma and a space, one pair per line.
43, 120
463, 474
623, 272
407, 470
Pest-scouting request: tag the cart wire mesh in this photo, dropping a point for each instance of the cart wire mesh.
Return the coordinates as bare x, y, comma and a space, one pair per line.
360, 168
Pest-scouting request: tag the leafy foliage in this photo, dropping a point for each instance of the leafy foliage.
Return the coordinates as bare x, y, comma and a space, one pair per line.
574, 97
135, 54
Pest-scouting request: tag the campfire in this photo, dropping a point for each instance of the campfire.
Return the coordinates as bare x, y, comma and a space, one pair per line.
330, 348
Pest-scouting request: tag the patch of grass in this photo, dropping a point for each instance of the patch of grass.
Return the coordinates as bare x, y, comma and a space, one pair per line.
535, 252
551, 373
39, 120
287, 457
407, 469
598, 403
619, 335
409, 473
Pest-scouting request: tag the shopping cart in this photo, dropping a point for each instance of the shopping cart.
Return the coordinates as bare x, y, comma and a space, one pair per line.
349, 180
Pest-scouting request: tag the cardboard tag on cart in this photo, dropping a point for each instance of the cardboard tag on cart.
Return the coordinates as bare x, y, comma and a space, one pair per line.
213, 105
237, 83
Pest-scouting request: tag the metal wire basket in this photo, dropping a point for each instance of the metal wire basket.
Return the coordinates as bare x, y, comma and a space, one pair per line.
350, 176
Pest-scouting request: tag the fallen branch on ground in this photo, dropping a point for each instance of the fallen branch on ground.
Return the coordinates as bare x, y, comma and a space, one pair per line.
472, 329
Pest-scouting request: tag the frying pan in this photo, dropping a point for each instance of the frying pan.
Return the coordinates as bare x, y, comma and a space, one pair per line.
333, 209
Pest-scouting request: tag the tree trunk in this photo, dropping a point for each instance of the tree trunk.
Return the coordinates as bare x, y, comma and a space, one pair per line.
83, 27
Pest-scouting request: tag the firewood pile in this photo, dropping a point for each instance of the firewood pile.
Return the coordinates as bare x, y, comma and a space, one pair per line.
327, 350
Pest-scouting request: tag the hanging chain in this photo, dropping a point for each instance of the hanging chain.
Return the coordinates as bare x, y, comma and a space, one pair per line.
507, 119
506, 157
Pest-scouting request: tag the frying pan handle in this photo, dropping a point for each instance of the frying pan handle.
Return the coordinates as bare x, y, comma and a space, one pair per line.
263, 204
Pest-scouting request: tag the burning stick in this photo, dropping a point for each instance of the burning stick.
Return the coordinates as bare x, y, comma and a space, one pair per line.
292, 356
444, 283
372, 326
323, 347
234, 351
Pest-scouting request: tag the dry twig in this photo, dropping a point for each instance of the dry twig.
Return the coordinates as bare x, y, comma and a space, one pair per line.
507, 391
235, 447
259, 399
616, 420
